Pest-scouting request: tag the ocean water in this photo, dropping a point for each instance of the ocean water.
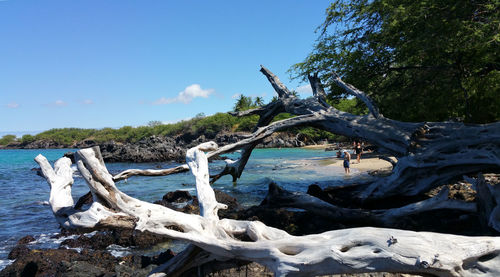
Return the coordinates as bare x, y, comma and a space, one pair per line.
24, 206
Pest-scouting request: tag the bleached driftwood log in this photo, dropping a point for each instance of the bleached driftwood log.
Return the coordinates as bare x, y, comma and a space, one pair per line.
342, 251
149, 172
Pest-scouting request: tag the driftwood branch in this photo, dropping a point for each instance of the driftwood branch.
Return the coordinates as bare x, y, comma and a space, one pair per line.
428, 154
488, 201
351, 250
149, 172
388, 159
318, 90
358, 94
278, 197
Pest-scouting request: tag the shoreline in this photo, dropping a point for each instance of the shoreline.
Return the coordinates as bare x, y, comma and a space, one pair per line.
369, 161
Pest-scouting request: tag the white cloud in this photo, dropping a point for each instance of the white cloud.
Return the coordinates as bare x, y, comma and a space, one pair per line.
13, 105
87, 102
187, 95
60, 103
236, 95
305, 89
57, 103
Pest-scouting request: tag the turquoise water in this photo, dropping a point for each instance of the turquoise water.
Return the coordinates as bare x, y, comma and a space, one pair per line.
24, 209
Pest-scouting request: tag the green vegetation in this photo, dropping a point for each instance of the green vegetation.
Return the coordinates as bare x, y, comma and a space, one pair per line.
209, 126
419, 60
244, 103
7, 139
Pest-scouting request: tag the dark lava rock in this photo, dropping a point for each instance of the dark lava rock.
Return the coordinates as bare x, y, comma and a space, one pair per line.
70, 155
293, 222
65, 262
177, 196
38, 171
232, 204
42, 144
284, 139
228, 138
26, 239
173, 199
85, 144
19, 250
151, 149
101, 240
85, 199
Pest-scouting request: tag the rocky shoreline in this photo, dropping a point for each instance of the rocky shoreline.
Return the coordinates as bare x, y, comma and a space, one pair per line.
162, 148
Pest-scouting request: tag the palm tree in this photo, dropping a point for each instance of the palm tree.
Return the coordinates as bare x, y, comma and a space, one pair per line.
259, 101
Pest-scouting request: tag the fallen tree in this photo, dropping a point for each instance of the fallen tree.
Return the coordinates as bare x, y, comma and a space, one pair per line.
428, 154
343, 251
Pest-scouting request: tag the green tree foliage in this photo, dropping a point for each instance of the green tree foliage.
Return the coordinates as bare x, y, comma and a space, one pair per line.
7, 139
243, 103
154, 123
259, 101
350, 105
66, 136
247, 102
419, 60
27, 139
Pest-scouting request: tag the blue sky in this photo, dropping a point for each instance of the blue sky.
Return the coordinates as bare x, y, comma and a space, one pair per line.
95, 64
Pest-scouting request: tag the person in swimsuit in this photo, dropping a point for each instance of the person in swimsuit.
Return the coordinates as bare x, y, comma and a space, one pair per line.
347, 159
358, 150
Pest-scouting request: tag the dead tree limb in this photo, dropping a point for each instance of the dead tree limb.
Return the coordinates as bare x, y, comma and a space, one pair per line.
428, 154
335, 252
280, 198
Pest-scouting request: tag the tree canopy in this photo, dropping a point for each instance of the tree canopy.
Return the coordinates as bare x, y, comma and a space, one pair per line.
247, 102
418, 60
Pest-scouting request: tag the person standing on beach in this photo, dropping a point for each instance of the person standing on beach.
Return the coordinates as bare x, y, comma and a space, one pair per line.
358, 150
347, 160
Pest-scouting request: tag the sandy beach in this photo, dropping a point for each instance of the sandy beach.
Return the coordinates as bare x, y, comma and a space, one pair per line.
369, 162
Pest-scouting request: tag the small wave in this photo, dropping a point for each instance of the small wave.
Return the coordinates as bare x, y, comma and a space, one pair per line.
77, 249
91, 234
118, 251
42, 203
5, 263
50, 240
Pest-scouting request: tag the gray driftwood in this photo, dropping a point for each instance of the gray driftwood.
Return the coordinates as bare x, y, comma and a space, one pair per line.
428, 154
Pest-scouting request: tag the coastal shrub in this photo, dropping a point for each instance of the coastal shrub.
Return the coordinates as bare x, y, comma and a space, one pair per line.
7, 139
65, 136
211, 125
247, 123
27, 139
105, 134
